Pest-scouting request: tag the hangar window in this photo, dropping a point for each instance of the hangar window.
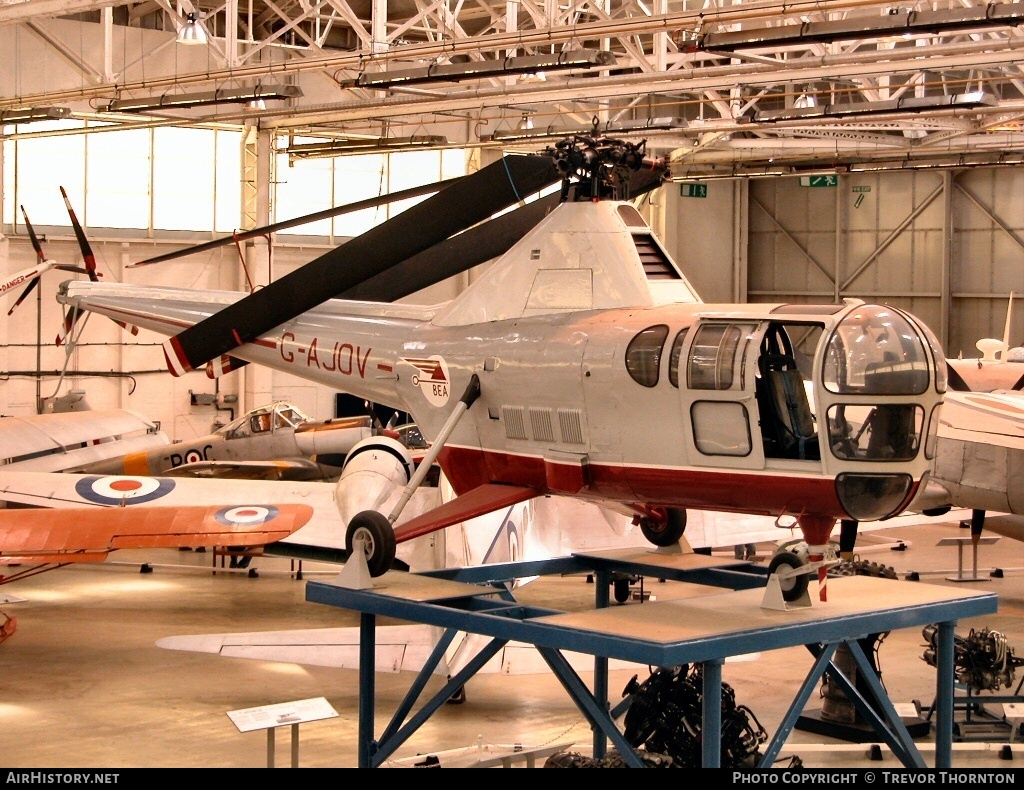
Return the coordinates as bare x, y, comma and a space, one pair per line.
307, 186
643, 355
154, 188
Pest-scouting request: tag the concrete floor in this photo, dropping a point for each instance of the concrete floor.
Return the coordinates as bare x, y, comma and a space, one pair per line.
84, 685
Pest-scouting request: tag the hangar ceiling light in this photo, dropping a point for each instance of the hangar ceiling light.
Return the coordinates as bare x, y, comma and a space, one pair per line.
609, 129
192, 31
369, 145
909, 104
29, 114
182, 101
455, 72
900, 23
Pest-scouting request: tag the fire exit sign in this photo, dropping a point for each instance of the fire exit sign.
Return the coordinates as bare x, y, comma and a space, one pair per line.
693, 190
819, 181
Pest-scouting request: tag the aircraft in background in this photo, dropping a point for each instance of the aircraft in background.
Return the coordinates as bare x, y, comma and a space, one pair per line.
57, 441
595, 369
274, 442
1000, 366
979, 461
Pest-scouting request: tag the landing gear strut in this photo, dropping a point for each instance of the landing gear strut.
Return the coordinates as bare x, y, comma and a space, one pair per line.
376, 529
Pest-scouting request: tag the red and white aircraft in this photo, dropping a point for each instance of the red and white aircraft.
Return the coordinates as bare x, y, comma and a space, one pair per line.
582, 363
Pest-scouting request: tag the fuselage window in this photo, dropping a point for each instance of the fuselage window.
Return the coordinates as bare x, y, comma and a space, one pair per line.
713, 357
643, 355
673, 357
720, 428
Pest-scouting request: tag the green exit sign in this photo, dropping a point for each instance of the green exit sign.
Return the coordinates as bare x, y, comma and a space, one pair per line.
693, 190
819, 181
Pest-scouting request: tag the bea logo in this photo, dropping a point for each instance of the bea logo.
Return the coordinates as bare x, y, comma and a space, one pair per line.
432, 378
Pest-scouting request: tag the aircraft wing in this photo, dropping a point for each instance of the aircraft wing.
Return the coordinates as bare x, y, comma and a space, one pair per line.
88, 535
286, 469
399, 648
136, 493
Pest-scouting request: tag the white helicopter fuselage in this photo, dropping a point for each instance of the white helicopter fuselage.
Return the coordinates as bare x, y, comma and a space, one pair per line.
603, 376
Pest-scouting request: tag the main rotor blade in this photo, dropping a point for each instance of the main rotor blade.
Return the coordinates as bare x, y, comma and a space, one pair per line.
83, 242
455, 208
475, 246
348, 208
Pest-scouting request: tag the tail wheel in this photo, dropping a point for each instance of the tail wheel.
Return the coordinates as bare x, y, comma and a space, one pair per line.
378, 538
665, 527
794, 587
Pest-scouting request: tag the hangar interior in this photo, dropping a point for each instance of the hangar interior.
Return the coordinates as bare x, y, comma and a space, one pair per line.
817, 151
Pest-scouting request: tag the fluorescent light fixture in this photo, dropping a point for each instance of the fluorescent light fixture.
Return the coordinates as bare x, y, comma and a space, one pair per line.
902, 23
362, 146
608, 130
455, 72
192, 31
185, 100
909, 104
29, 114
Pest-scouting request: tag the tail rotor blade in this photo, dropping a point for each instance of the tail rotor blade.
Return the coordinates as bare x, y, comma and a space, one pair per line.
83, 242
461, 205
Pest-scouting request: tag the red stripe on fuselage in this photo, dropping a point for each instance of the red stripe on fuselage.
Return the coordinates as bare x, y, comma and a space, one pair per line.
757, 493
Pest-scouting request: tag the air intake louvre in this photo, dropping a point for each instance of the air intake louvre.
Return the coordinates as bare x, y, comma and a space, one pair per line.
656, 265
570, 425
515, 425
540, 425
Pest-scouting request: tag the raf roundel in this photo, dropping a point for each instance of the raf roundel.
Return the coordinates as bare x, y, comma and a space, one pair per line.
115, 490
247, 515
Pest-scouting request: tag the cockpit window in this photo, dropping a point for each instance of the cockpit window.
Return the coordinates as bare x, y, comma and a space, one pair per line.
875, 351
887, 432
643, 355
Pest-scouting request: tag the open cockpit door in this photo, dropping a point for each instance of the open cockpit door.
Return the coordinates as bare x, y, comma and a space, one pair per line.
717, 385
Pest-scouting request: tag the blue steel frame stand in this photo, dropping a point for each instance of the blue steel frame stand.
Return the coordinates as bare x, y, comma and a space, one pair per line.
477, 600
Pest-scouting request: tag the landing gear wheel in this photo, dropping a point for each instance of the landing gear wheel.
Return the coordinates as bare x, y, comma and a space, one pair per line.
794, 587
379, 539
664, 531
621, 589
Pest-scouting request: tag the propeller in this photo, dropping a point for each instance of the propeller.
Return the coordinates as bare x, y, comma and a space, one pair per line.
458, 206
348, 208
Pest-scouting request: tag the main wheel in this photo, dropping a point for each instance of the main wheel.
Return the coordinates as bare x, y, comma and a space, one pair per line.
666, 528
794, 587
378, 538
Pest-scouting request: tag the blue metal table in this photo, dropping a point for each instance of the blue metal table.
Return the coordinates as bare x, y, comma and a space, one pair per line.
705, 629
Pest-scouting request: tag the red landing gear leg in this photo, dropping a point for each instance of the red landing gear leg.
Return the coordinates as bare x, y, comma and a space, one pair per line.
816, 531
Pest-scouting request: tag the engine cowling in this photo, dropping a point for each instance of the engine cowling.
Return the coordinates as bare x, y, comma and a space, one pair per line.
374, 470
